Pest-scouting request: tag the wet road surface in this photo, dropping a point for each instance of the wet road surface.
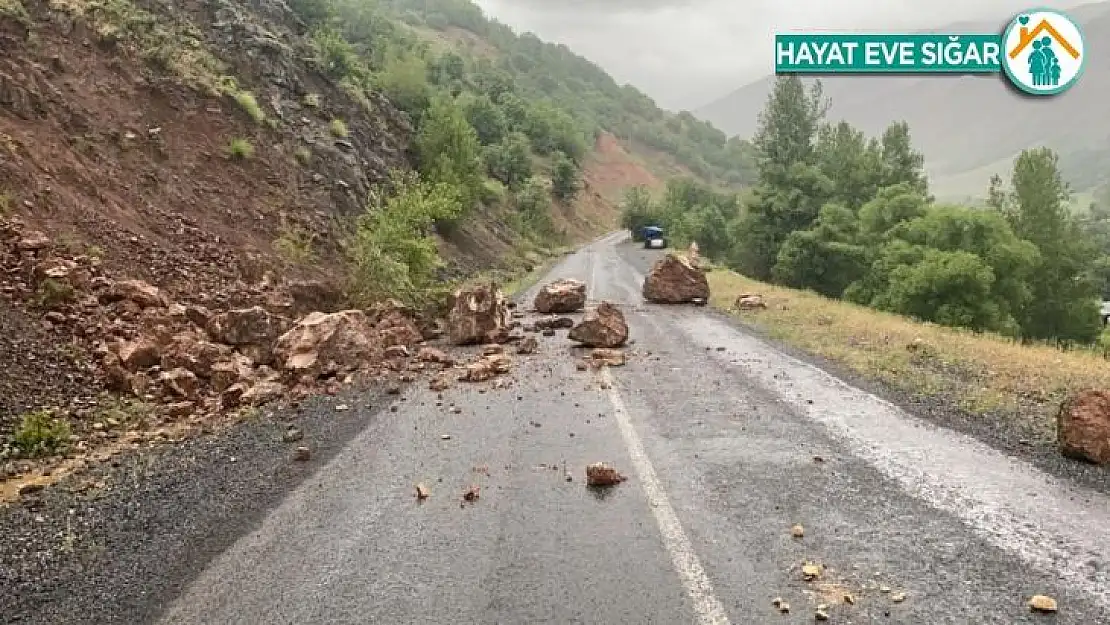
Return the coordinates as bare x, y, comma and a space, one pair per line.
720, 435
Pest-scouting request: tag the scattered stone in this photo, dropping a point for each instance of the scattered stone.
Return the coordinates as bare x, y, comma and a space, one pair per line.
581, 365
797, 531
811, 571
554, 323
486, 367
1083, 426
342, 407
471, 494
422, 492
609, 357
561, 296
849, 599
328, 343
302, 454
820, 615
674, 279
141, 293
445, 437
601, 474
292, 435
439, 383
478, 315
749, 301
438, 356
527, 345
898, 597
1043, 604
397, 351
602, 327
490, 350
781, 605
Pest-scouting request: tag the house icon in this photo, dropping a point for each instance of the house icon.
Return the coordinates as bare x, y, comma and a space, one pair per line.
1026, 37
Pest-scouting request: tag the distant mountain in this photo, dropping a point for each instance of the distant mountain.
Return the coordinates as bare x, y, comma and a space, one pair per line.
968, 127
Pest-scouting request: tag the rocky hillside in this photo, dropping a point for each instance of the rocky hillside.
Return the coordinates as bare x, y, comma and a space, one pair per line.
179, 177
971, 127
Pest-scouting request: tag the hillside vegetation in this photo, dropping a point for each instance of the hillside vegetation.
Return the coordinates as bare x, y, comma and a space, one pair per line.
852, 218
299, 156
968, 128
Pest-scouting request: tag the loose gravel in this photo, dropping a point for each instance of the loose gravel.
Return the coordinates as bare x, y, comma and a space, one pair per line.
121, 553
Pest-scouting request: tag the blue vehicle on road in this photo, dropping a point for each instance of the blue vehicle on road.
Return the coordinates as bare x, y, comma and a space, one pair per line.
653, 237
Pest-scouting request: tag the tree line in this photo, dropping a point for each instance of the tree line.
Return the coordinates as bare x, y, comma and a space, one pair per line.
851, 217
506, 121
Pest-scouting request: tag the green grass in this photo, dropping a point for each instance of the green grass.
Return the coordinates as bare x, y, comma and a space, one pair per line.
240, 149
41, 434
981, 372
339, 128
247, 101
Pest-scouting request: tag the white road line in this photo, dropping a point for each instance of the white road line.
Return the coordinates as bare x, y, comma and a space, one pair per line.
707, 607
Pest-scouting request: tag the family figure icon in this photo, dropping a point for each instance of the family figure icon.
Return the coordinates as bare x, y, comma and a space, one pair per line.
1044, 67
1044, 52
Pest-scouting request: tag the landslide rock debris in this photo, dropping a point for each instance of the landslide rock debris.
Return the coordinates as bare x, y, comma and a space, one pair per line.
674, 279
1083, 426
478, 314
608, 357
1043, 604
749, 301
601, 474
561, 296
603, 326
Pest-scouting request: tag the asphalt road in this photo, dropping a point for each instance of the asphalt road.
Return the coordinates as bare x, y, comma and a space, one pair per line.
727, 443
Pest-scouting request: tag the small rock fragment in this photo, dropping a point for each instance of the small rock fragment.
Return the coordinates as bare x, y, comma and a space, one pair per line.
342, 407
302, 454
421, 492
471, 494
821, 615
849, 599
292, 435
898, 597
797, 531
601, 474
811, 571
1042, 603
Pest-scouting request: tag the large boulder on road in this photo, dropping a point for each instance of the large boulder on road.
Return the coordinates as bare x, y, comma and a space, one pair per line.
675, 280
478, 315
1083, 426
561, 296
328, 342
602, 327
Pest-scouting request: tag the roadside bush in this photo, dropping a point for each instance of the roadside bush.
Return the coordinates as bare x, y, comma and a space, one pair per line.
393, 252
40, 434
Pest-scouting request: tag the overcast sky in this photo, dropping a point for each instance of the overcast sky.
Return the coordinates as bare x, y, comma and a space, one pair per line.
685, 53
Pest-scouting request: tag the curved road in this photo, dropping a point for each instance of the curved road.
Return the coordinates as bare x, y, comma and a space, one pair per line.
727, 443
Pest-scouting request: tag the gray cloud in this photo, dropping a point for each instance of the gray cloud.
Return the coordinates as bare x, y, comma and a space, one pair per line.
684, 53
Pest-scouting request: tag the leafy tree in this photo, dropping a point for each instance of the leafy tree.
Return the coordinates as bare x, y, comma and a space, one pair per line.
637, 210
1064, 302
405, 82
565, 178
448, 150
788, 127
509, 162
900, 162
826, 258
486, 118
851, 162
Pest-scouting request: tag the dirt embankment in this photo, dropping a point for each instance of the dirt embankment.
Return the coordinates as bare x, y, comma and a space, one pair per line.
166, 164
